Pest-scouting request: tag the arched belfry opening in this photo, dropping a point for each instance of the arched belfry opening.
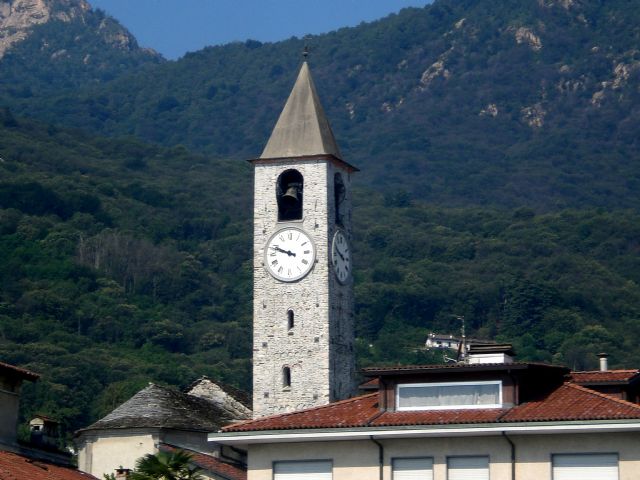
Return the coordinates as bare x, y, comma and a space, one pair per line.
289, 191
339, 193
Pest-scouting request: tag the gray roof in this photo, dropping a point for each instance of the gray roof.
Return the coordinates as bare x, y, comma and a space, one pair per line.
162, 407
302, 129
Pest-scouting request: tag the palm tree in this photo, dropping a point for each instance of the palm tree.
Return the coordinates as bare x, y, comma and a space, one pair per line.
166, 466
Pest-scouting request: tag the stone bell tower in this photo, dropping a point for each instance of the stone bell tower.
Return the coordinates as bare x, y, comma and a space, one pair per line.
303, 314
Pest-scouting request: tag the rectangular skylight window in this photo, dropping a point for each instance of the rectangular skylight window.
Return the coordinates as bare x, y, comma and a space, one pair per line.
449, 395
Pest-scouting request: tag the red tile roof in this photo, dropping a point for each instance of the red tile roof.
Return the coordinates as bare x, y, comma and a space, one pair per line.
354, 412
609, 376
573, 402
566, 403
372, 384
26, 374
18, 467
210, 463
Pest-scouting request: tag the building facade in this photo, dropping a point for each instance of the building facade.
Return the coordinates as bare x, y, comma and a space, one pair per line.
468, 421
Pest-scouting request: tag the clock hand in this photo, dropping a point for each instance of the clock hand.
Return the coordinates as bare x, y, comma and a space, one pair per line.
341, 256
288, 252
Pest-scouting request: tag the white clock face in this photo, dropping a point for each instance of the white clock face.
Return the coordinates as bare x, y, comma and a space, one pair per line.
341, 257
289, 254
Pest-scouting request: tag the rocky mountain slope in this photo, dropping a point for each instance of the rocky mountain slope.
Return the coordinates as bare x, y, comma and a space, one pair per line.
460, 103
52, 45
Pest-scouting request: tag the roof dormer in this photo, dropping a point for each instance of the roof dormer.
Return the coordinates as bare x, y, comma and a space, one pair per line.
490, 380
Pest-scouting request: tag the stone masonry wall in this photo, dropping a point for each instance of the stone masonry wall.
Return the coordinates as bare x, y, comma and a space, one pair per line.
317, 348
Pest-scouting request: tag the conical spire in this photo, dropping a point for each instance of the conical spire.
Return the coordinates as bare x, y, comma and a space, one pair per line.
303, 128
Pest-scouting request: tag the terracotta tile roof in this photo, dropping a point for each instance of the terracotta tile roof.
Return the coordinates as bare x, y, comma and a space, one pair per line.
24, 373
354, 412
567, 403
210, 463
372, 384
18, 467
573, 402
610, 376
438, 417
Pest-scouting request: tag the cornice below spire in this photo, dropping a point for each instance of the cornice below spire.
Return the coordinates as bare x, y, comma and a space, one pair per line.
302, 129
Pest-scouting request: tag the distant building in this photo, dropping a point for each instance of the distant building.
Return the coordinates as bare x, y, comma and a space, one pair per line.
442, 341
160, 418
40, 459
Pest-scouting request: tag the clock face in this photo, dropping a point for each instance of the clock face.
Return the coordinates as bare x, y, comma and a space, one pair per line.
341, 257
289, 254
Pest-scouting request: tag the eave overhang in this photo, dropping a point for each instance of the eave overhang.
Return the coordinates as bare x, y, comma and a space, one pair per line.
323, 156
446, 369
243, 439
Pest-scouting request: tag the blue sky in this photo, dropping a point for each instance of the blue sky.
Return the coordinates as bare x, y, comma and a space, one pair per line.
174, 27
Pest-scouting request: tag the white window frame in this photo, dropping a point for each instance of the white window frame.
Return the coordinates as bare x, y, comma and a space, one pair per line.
449, 407
394, 459
453, 457
315, 460
583, 454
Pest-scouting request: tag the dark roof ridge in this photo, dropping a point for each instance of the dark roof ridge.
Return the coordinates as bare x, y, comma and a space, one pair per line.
28, 374
373, 371
602, 395
304, 411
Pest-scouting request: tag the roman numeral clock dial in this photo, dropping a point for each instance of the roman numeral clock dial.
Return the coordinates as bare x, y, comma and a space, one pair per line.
341, 257
289, 254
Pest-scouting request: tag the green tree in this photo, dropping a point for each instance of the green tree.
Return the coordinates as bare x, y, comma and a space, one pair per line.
166, 466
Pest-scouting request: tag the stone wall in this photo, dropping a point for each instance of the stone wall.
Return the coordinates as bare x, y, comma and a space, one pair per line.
319, 348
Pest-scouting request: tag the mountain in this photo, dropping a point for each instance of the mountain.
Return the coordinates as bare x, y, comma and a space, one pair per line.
460, 103
52, 45
125, 213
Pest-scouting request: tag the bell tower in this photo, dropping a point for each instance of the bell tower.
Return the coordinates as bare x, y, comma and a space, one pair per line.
303, 313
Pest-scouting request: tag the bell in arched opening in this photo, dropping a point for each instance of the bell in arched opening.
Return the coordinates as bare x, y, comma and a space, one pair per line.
290, 194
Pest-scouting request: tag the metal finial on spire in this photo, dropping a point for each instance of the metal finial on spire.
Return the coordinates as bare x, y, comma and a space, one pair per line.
305, 52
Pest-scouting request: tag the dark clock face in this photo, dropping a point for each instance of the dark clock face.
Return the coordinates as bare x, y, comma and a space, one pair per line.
289, 254
341, 257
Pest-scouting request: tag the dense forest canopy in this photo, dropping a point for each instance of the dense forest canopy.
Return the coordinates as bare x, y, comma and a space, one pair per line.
500, 181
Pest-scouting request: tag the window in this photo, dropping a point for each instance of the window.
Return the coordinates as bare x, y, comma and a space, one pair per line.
449, 396
290, 318
468, 468
412, 468
286, 377
303, 470
585, 467
339, 193
289, 195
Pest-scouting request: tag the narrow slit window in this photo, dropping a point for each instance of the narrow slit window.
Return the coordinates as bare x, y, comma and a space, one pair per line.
290, 319
286, 377
339, 192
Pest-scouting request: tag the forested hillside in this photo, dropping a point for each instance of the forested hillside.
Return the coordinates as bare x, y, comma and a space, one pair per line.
500, 181
125, 263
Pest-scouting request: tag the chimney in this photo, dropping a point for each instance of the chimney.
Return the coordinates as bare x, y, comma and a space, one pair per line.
11, 379
122, 473
604, 361
45, 431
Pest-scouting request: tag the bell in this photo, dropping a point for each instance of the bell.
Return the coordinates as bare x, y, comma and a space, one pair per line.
291, 195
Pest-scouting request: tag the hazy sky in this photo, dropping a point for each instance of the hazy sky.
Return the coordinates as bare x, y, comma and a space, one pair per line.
174, 27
